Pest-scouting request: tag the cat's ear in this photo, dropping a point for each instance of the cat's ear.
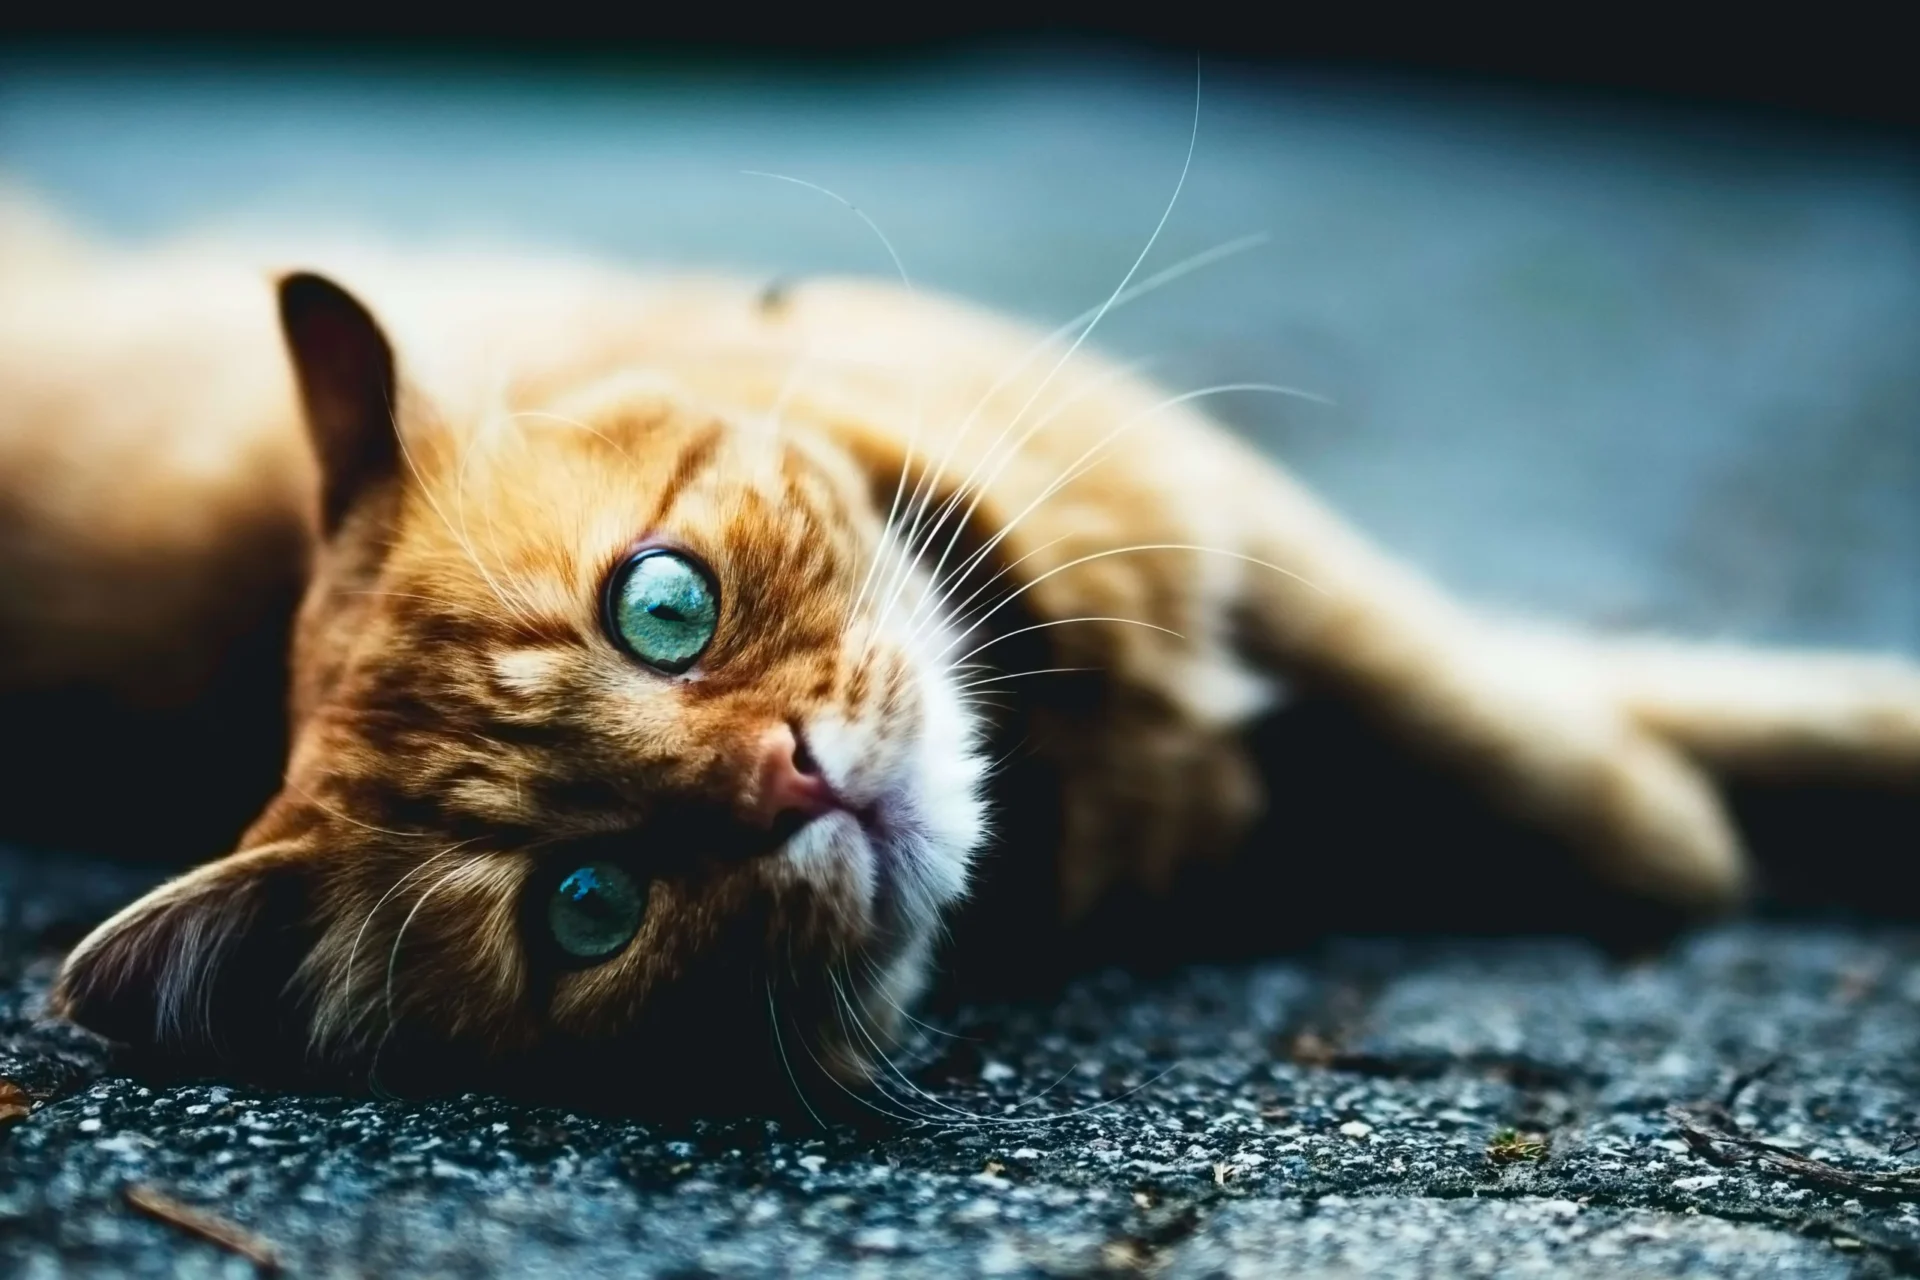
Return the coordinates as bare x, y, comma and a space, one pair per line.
198, 970
345, 369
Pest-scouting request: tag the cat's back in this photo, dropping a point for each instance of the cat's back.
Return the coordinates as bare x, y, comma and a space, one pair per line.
154, 483
150, 470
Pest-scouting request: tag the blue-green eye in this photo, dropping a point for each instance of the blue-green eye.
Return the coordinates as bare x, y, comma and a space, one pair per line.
662, 608
595, 910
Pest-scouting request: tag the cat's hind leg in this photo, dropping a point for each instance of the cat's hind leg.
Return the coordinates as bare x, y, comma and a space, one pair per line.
1609, 744
1772, 712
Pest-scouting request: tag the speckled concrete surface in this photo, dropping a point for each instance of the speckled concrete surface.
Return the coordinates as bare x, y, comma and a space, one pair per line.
1337, 1114
1629, 367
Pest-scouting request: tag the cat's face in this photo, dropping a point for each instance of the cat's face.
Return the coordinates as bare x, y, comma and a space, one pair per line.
620, 765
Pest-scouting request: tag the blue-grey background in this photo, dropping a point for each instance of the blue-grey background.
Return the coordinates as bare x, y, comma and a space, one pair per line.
1638, 365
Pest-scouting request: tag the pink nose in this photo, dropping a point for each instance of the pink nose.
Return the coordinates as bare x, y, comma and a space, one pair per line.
790, 780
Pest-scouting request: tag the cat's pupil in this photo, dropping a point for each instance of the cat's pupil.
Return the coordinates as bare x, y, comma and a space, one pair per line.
667, 613
595, 910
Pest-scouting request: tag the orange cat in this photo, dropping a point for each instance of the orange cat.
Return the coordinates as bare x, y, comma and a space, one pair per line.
637, 733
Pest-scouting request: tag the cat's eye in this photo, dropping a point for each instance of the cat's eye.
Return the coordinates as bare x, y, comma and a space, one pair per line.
595, 910
662, 607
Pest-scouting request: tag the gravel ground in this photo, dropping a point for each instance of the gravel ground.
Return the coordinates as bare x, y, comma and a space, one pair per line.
1376, 1108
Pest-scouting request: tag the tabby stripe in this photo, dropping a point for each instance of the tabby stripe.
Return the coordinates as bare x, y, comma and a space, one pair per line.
692, 460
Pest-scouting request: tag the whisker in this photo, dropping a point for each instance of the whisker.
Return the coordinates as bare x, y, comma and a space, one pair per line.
349, 819
780, 1044
452, 606
847, 1003
1099, 313
873, 971
1019, 675
980, 490
972, 1120
1159, 279
393, 956
426, 492
912, 1119
844, 1009
346, 989
994, 769
1080, 465
853, 208
790, 384
393, 961
1061, 622
941, 615
563, 420
906, 281
518, 607
1119, 551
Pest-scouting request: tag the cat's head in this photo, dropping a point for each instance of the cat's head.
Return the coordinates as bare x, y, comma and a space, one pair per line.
624, 762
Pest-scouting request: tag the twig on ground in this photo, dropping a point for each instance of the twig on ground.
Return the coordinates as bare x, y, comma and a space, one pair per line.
1717, 1136
208, 1226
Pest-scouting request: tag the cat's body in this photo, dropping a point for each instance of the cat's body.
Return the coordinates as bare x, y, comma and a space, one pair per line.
460, 720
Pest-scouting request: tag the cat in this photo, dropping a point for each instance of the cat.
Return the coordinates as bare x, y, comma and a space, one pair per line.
654, 640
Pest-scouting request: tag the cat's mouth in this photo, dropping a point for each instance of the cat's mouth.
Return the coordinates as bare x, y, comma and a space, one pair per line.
874, 842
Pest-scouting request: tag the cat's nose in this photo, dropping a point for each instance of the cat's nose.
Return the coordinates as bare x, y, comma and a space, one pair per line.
791, 786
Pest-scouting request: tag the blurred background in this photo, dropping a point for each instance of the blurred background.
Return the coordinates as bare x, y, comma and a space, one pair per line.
1617, 340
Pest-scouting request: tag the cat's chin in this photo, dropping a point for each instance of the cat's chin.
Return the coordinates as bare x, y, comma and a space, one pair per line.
885, 871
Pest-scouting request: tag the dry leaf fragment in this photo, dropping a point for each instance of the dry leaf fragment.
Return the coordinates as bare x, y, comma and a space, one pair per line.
14, 1102
1510, 1146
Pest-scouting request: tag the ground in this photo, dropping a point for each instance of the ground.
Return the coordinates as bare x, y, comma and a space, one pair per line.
1514, 1107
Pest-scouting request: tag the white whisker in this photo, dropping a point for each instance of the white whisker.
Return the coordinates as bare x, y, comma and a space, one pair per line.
1081, 465
1099, 314
393, 956
1020, 675
1120, 551
780, 1043
1061, 622
346, 990
906, 281
426, 492
980, 489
